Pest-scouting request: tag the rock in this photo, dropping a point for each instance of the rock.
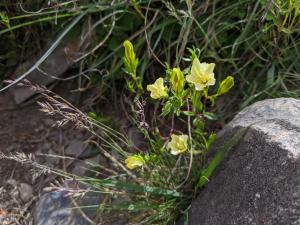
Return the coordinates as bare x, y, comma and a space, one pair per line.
53, 67
79, 169
58, 208
49, 122
136, 137
75, 148
55, 208
26, 192
83, 167
259, 181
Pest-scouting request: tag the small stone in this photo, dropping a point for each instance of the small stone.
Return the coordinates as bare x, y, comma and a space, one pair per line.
82, 168
10, 148
46, 145
26, 192
79, 169
56, 208
136, 137
75, 148
12, 182
48, 122
51, 160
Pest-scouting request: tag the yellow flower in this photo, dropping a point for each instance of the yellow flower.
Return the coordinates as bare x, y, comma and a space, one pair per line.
178, 144
158, 90
202, 75
134, 161
177, 80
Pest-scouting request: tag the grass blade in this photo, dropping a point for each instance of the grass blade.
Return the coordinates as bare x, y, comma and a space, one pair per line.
130, 187
48, 52
207, 172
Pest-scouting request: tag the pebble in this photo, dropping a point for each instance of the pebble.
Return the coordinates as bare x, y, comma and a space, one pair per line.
26, 192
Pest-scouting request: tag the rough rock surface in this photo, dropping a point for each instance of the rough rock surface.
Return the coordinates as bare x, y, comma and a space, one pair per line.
259, 181
55, 208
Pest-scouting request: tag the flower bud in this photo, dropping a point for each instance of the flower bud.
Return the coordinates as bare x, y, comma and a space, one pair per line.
177, 80
225, 85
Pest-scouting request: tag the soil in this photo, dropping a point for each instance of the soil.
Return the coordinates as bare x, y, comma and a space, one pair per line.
27, 130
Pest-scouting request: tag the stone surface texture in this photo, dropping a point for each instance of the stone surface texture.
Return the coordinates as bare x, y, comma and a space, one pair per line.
55, 208
259, 181
270, 117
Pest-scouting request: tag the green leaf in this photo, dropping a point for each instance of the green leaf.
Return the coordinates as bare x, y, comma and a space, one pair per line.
130, 86
287, 30
211, 139
4, 19
199, 125
188, 113
225, 85
99, 118
210, 116
270, 76
167, 108
194, 53
196, 101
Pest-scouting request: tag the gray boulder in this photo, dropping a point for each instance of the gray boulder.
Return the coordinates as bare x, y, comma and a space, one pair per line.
259, 181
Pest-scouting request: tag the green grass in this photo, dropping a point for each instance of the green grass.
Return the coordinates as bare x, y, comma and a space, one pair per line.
243, 36
257, 42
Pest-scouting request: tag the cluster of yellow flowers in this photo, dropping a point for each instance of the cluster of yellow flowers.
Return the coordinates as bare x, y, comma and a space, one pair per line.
178, 145
201, 76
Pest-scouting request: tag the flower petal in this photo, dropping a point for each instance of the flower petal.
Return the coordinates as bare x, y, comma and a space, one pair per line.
174, 152
207, 68
196, 67
160, 82
150, 87
158, 90
211, 80
199, 86
178, 144
189, 78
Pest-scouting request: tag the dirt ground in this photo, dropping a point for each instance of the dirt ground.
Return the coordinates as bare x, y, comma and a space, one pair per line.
27, 130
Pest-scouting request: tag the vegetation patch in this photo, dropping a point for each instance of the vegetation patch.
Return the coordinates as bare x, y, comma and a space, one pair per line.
169, 86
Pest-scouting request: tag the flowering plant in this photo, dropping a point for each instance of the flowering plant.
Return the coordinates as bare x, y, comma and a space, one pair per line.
184, 94
154, 183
